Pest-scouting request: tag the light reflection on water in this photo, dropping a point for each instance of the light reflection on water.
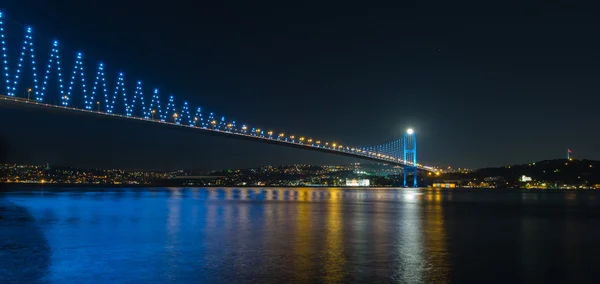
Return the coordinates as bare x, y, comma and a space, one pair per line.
303, 235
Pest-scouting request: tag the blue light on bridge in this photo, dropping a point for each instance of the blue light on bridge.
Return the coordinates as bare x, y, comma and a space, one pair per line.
4, 55
53, 60
185, 111
78, 70
222, 124
120, 88
139, 93
211, 119
198, 118
100, 82
27, 47
155, 103
410, 155
170, 108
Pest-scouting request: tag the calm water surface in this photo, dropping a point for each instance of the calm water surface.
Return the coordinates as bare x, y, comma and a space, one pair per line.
291, 235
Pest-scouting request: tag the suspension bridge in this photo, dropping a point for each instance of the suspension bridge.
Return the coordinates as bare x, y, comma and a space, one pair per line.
76, 93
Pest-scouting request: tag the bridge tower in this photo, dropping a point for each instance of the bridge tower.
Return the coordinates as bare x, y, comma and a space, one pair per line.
410, 155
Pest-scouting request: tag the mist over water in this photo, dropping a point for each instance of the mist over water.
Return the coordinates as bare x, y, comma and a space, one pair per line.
298, 235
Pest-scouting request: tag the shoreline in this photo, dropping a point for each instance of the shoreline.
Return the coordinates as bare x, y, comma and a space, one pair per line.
13, 187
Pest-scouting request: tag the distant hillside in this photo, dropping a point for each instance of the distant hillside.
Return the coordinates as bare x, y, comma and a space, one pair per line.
558, 171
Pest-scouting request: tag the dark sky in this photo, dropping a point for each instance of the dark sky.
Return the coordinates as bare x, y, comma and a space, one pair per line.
482, 85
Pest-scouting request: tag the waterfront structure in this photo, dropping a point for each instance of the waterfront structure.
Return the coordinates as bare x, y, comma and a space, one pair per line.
357, 182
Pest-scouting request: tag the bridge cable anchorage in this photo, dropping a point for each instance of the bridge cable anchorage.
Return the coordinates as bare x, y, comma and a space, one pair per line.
98, 100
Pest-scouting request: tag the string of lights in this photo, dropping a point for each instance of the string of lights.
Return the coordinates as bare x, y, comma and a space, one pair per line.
198, 120
27, 47
185, 111
170, 107
155, 103
78, 69
4, 55
211, 119
222, 123
120, 88
139, 93
100, 82
53, 60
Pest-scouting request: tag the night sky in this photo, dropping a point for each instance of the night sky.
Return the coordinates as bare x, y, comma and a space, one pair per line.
481, 85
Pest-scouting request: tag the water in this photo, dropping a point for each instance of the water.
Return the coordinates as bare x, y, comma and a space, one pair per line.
295, 235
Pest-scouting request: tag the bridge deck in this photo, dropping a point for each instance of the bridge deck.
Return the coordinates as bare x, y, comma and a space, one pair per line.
349, 152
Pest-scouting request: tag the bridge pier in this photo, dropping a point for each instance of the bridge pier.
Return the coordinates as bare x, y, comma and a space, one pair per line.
408, 170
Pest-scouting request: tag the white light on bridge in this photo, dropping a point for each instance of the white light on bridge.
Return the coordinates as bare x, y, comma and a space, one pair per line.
410, 131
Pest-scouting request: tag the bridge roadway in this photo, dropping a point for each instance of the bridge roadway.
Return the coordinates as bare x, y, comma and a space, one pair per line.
349, 152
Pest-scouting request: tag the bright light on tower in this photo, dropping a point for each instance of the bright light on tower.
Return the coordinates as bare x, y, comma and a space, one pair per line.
410, 131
